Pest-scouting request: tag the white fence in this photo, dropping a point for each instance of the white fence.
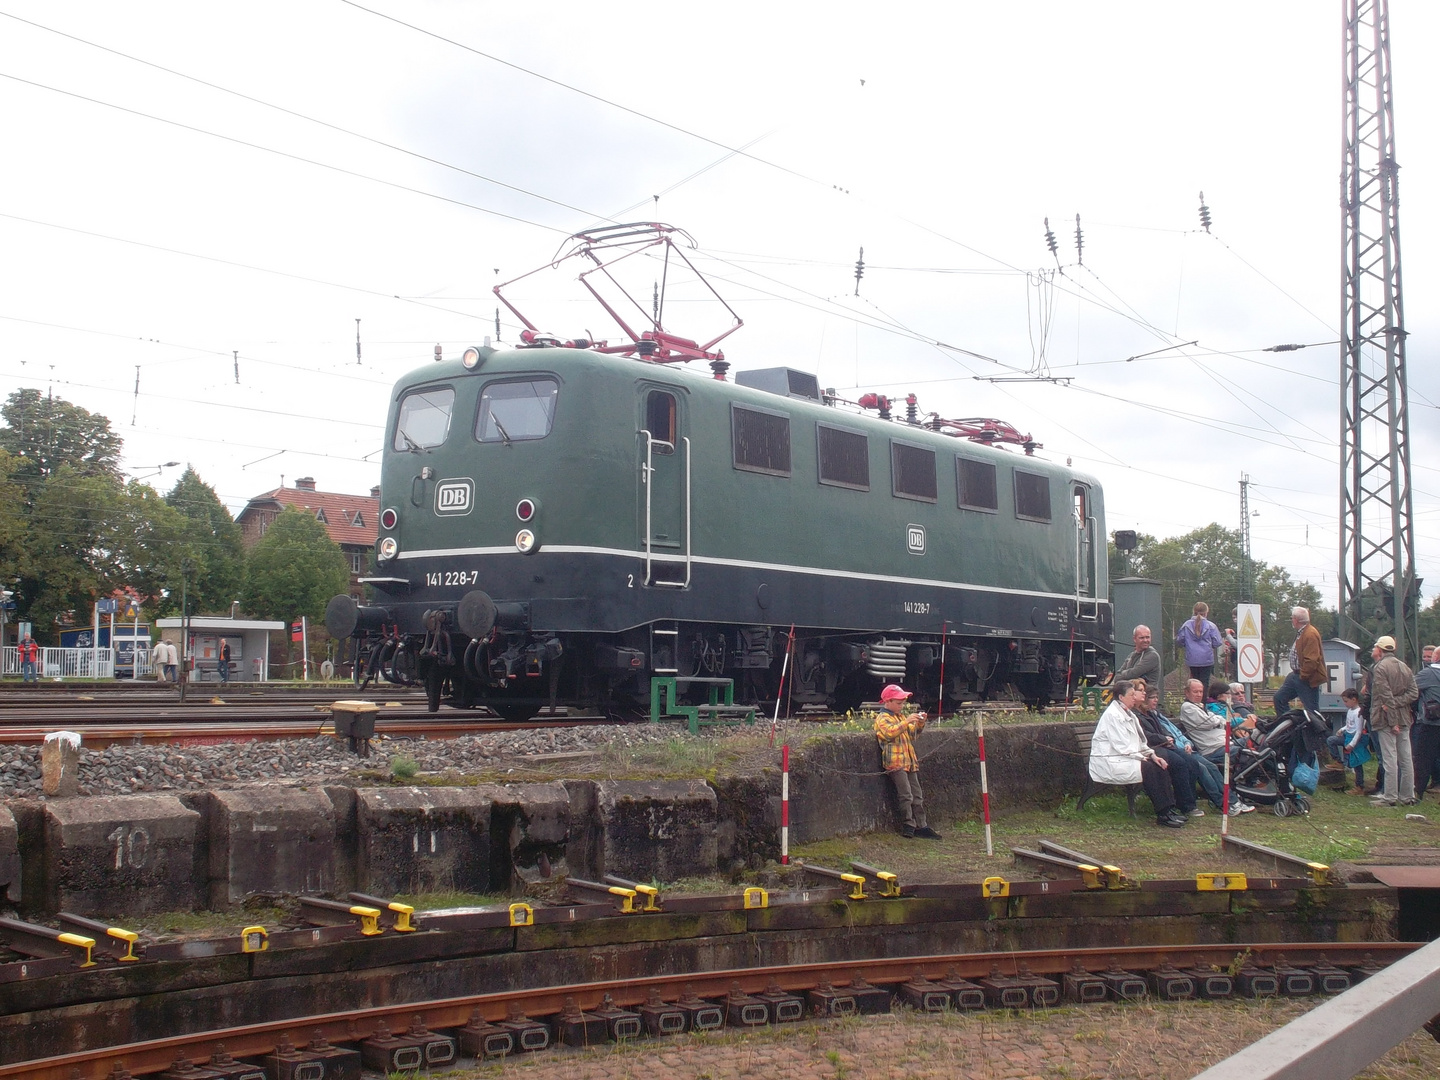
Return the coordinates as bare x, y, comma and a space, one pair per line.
65, 663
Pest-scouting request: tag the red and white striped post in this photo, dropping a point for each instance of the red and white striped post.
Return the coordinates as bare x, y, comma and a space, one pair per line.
1225, 803
785, 805
984, 783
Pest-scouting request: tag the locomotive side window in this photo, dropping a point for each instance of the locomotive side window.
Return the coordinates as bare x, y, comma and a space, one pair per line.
844, 457
913, 472
660, 420
1032, 496
761, 440
424, 419
515, 410
975, 485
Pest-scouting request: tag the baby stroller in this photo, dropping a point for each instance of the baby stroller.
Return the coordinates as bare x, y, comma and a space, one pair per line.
1261, 771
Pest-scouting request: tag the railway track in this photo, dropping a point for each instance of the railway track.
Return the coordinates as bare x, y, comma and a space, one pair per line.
199, 723
438, 1032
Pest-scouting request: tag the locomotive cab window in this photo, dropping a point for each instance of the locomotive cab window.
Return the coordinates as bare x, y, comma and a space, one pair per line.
975, 485
761, 440
844, 457
913, 472
424, 419
660, 421
516, 409
1032, 496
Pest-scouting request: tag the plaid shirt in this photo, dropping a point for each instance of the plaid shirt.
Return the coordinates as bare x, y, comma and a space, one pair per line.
897, 752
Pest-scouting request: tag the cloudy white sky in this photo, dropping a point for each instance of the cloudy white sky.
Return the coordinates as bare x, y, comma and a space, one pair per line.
344, 165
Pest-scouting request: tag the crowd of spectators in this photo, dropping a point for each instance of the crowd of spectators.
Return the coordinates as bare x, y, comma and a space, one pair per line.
1394, 716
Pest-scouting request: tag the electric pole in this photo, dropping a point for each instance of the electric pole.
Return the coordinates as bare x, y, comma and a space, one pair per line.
1247, 568
1377, 543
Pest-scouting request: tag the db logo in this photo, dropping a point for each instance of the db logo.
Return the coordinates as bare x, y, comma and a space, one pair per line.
454, 497
915, 539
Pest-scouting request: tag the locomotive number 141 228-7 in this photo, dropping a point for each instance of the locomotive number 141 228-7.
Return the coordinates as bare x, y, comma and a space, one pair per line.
452, 577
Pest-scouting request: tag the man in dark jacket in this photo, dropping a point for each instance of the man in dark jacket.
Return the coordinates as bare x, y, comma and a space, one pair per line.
1427, 721
1143, 663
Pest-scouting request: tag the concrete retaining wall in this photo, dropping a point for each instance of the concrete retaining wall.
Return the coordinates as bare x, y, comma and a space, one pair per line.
142, 853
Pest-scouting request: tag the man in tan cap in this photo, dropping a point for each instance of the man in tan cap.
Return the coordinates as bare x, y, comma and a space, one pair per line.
1392, 693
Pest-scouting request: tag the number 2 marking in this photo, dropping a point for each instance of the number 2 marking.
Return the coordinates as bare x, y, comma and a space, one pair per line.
629, 581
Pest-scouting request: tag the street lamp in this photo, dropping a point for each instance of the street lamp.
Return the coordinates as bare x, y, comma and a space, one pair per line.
158, 470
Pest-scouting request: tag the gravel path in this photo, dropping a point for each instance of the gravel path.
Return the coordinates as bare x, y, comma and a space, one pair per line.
1095, 1042
123, 770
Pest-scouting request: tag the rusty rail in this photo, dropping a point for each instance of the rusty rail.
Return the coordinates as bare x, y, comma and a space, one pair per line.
353, 1025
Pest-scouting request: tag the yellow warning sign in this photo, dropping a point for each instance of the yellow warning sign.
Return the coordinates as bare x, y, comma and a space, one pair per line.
1248, 626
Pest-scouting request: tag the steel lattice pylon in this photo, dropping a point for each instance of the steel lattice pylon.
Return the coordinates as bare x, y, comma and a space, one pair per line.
1377, 544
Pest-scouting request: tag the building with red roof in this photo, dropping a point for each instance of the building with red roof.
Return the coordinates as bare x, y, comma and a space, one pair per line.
353, 521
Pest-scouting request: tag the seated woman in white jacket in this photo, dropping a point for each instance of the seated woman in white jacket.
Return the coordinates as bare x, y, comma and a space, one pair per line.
1120, 755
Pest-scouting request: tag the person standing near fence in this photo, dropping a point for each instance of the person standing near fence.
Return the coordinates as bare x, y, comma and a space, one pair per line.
29, 659
1203, 643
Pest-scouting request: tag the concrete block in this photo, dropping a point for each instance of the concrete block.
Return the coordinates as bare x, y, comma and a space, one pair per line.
416, 839
9, 858
530, 834
60, 764
122, 854
270, 842
661, 829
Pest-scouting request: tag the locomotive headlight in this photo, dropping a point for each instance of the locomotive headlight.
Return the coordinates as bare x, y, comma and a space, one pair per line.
470, 358
525, 542
387, 549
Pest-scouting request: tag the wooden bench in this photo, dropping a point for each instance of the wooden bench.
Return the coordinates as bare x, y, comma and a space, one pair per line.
1083, 735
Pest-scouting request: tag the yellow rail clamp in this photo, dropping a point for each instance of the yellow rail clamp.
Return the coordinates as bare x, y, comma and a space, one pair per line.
756, 897
889, 883
402, 913
651, 894
254, 939
1319, 873
1091, 876
1114, 877
86, 943
857, 885
627, 899
1220, 883
369, 919
992, 888
129, 937
522, 915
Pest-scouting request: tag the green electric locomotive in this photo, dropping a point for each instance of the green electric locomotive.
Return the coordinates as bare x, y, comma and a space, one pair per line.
561, 525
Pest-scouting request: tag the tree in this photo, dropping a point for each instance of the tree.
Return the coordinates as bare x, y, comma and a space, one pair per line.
74, 534
294, 569
212, 541
1205, 564
12, 522
46, 433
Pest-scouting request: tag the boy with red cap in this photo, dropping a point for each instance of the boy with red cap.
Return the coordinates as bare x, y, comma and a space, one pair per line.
897, 754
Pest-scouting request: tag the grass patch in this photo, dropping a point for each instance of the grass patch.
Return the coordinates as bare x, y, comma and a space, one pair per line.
1339, 828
